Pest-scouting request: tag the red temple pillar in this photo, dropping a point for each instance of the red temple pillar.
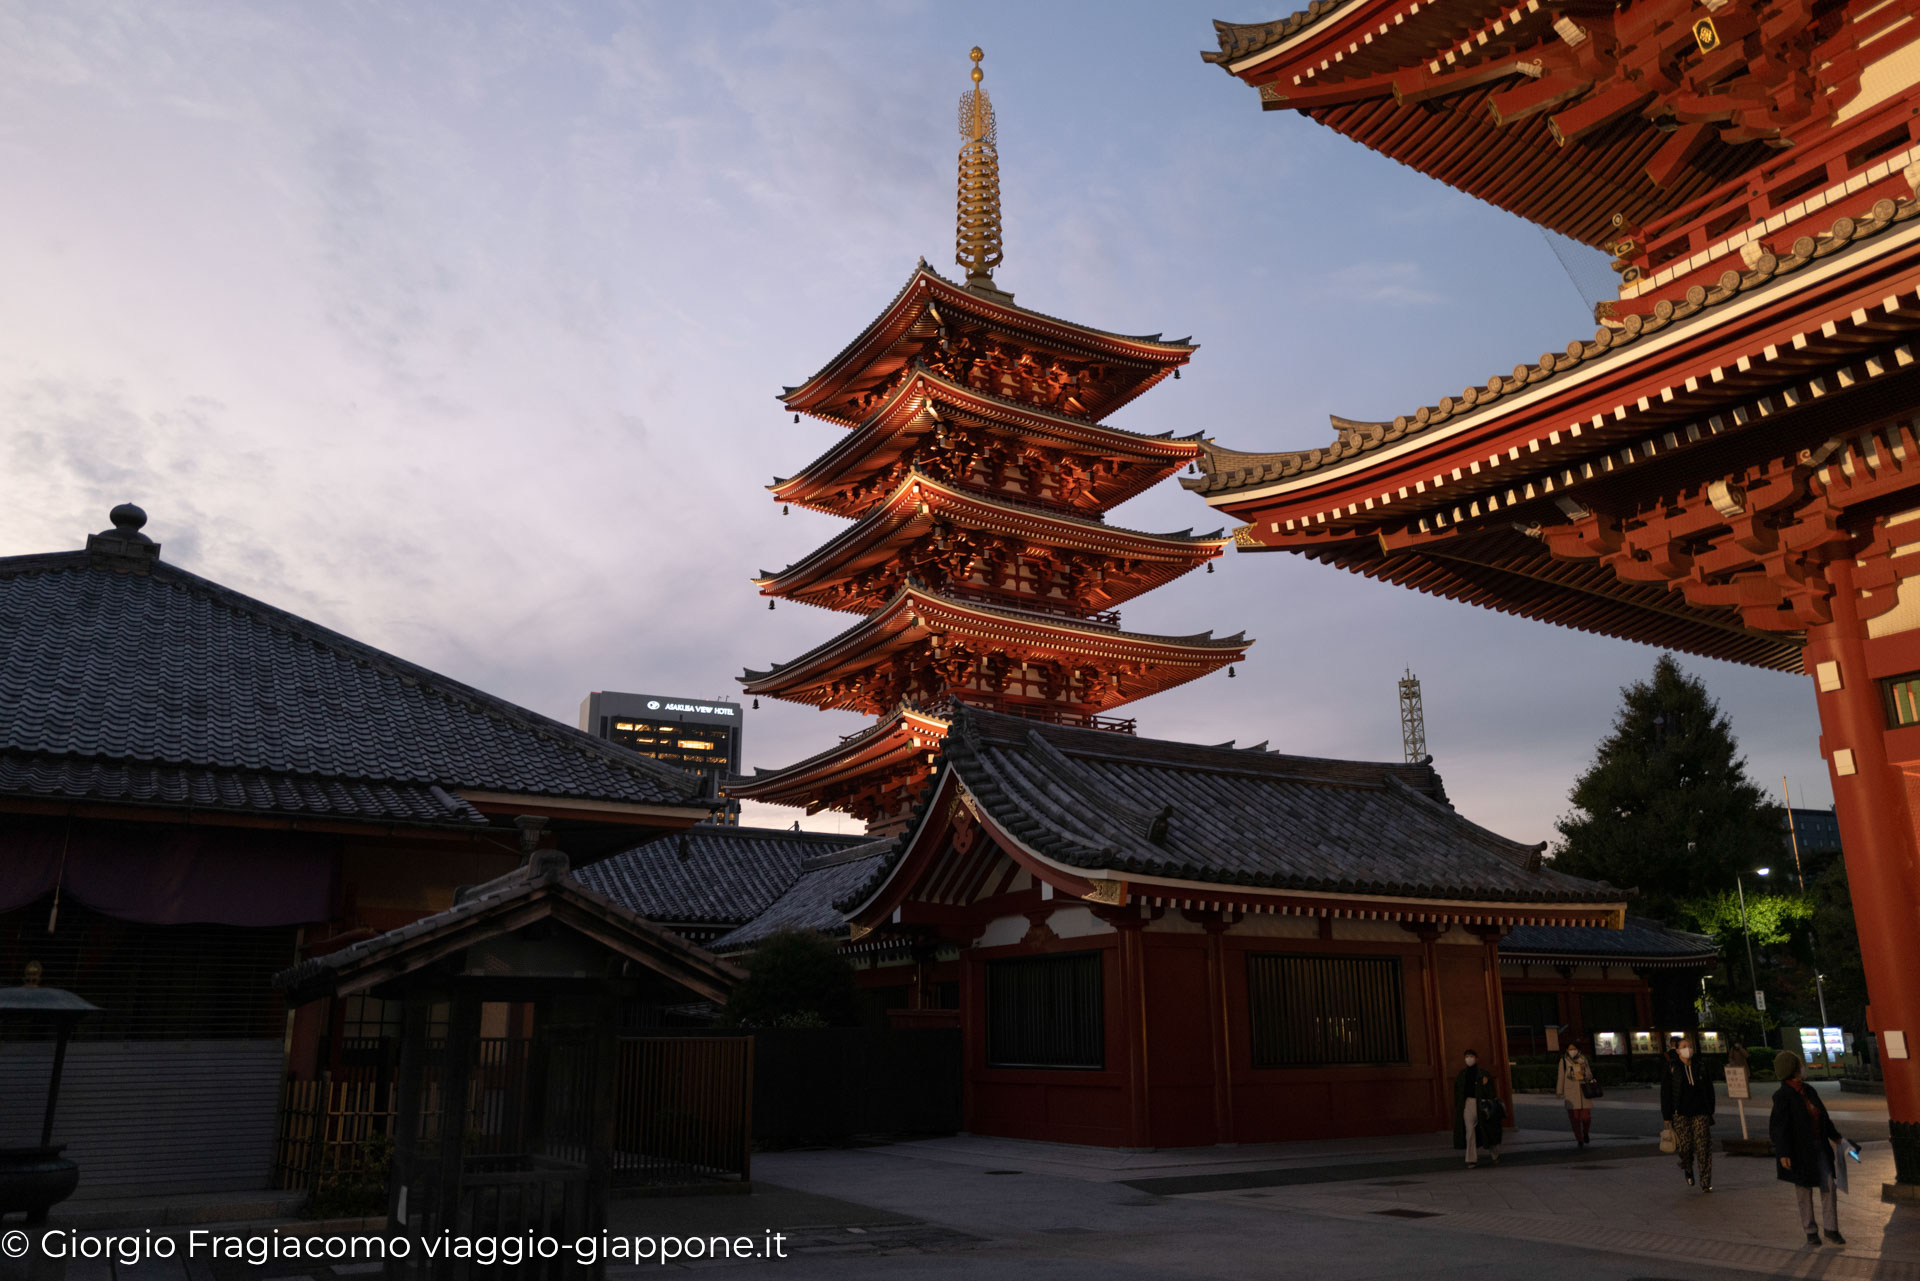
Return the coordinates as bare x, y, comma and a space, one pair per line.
1871, 799
1133, 1016
1220, 1035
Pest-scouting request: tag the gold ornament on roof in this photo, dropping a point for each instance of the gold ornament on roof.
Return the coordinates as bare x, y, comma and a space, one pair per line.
977, 245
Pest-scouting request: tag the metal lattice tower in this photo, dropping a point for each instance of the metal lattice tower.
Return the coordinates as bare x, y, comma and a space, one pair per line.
1413, 718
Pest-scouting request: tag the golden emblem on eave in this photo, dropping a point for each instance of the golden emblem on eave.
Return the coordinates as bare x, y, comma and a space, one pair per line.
977, 244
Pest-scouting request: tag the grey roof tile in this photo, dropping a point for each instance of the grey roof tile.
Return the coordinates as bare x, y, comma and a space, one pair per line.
711, 875
1641, 939
814, 901
124, 677
1092, 799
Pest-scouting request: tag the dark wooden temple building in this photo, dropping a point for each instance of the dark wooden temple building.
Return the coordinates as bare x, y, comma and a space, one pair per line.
197, 790
977, 470
1728, 466
1153, 944
1620, 993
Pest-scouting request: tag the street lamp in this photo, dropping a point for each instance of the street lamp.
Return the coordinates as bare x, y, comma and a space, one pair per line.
1758, 1000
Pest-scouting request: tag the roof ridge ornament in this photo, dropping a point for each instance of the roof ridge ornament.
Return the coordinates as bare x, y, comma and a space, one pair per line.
977, 239
124, 545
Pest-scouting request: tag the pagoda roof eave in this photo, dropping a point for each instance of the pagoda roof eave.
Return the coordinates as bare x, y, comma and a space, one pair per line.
896, 517
1374, 70
1244, 45
914, 608
882, 746
925, 286
850, 456
1231, 478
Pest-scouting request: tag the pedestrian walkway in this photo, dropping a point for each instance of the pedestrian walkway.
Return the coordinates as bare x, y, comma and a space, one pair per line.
1634, 1205
1329, 1158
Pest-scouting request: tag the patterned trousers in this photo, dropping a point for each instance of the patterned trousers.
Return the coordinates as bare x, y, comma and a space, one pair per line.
1692, 1137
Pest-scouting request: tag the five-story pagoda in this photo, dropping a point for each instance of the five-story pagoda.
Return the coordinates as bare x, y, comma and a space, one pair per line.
977, 473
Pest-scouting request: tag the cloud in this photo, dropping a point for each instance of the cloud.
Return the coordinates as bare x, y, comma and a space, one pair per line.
458, 327
1387, 283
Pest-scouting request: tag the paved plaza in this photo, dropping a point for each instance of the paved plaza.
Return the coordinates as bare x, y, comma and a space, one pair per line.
967, 1207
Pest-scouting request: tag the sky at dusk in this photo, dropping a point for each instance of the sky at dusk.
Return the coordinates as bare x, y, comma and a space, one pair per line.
458, 328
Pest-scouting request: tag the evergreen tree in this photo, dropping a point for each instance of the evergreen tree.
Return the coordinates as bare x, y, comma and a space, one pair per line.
1667, 807
795, 978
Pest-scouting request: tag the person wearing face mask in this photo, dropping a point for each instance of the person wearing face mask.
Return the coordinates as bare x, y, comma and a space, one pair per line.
1686, 1103
1576, 1075
1477, 1109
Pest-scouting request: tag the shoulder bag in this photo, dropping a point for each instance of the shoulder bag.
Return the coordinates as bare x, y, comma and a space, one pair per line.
1591, 1090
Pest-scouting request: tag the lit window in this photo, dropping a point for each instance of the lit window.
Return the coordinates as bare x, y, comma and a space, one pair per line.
625, 725
1903, 699
698, 744
1643, 1043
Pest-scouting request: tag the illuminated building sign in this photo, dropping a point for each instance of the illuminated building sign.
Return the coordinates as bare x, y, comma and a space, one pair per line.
699, 737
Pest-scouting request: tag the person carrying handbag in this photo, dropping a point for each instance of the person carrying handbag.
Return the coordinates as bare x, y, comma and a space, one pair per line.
1686, 1105
1577, 1088
1477, 1112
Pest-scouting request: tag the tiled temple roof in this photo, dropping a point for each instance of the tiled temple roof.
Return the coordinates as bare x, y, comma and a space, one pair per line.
814, 900
1248, 817
500, 907
1238, 39
1224, 471
125, 678
710, 875
1003, 302
1639, 940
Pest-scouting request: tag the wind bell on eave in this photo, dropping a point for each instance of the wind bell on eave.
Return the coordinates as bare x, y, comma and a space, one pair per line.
977, 245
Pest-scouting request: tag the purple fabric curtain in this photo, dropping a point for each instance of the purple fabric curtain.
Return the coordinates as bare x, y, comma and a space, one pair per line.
171, 876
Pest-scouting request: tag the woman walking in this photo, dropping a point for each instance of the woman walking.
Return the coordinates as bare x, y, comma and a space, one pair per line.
1686, 1103
1804, 1140
1576, 1074
1476, 1112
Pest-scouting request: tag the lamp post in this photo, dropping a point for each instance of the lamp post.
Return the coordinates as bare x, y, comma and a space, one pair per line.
1752, 970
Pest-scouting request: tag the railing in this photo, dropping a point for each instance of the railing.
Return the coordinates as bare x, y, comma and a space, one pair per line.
682, 1112
1032, 605
1709, 218
324, 1128
1038, 712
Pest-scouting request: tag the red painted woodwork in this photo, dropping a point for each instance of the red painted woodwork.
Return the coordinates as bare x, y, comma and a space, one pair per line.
1876, 805
1180, 1086
978, 473
1162, 1087
1592, 121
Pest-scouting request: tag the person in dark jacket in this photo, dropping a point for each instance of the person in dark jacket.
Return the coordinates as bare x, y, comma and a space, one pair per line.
1803, 1147
1477, 1109
1686, 1103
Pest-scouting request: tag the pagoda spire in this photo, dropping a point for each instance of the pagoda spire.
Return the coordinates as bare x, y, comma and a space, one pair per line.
977, 471
977, 242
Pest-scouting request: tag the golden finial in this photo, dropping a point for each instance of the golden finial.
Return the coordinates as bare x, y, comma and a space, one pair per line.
977, 238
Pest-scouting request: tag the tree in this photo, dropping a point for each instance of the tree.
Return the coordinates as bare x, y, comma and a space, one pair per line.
1667, 807
795, 978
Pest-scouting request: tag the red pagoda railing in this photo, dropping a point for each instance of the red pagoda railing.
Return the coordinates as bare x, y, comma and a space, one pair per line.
1038, 712
1033, 605
1708, 219
1027, 711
